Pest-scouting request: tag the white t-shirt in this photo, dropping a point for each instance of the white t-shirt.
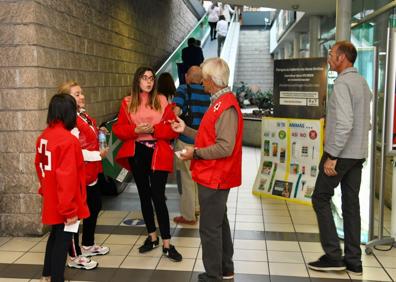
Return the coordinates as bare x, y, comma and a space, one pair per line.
222, 28
213, 14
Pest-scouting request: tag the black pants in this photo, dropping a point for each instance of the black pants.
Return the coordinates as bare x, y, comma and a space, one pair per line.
215, 233
151, 187
56, 253
212, 30
349, 174
94, 202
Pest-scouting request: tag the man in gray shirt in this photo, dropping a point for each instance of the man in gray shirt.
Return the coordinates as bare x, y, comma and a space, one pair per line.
346, 147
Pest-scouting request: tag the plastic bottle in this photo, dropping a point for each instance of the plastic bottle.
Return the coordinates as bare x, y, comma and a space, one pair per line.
102, 140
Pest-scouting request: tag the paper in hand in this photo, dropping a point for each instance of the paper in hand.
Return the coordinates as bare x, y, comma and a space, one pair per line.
73, 228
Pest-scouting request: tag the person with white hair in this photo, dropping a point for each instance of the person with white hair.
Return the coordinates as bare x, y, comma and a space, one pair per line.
216, 167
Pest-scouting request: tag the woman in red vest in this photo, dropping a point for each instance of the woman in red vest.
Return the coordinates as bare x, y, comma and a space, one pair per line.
87, 133
143, 126
60, 169
216, 167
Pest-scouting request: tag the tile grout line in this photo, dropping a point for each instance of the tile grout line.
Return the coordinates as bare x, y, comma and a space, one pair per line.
298, 242
265, 238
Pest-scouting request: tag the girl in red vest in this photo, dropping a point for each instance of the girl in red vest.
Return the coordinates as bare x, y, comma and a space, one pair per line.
87, 133
143, 126
60, 169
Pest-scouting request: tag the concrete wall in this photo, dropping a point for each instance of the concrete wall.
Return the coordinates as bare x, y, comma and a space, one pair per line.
99, 43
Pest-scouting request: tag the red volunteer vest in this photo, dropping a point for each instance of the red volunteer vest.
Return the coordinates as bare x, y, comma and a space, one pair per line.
89, 141
224, 173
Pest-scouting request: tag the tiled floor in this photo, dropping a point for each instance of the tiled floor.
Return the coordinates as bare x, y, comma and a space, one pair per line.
273, 241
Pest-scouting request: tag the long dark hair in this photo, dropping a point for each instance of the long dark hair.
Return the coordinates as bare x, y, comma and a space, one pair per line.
62, 108
166, 85
153, 101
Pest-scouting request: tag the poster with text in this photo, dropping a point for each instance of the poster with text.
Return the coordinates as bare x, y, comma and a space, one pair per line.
290, 154
300, 87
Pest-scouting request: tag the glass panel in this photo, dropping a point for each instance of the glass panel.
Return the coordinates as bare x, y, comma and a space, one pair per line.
199, 33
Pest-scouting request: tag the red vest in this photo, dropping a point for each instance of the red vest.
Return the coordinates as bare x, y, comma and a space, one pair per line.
89, 141
60, 169
224, 173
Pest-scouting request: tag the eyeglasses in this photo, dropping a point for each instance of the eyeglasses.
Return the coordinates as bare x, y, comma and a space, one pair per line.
147, 78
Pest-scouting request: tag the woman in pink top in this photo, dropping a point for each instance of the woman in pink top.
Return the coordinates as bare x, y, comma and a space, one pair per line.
143, 126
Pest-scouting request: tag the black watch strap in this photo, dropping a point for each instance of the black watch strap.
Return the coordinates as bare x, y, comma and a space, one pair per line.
331, 157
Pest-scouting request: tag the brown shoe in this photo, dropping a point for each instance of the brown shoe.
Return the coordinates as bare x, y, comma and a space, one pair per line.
182, 220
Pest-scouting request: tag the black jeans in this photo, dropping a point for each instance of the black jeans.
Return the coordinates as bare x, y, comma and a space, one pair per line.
215, 233
94, 202
349, 174
151, 187
56, 253
213, 32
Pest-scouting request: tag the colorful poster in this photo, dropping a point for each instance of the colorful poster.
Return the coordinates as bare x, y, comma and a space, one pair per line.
290, 154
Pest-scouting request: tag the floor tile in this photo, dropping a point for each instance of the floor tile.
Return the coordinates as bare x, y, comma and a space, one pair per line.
31, 258
392, 272
19, 244
4, 239
277, 219
373, 274
249, 235
251, 267
289, 246
311, 247
9, 257
279, 227
249, 218
39, 248
388, 261
185, 242
250, 255
184, 265
276, 213
277, 278
109, 260
288, 269
122, 239
286, 257
306, 228
170, 276
140, 262
255, 226
280, 236
250, 244
118, 249
139, 275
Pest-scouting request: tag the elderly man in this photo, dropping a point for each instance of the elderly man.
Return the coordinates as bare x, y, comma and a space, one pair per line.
189, 96
346, 147
216, 167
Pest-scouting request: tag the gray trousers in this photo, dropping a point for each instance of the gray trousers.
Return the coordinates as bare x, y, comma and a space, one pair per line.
214, 229
349, 174
220, 42
189, 190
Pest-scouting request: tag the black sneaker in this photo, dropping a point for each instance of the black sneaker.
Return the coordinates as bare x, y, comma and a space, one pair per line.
354, 269
148, 245
172, 253
228, 275
203, 277
326, 264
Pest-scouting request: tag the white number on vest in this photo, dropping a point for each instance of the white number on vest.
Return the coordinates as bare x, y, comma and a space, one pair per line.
45, 156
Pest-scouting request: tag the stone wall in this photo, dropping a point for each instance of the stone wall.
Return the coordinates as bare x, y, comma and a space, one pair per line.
99, 43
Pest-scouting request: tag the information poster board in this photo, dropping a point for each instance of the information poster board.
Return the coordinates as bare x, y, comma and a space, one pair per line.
300, 87
290, 154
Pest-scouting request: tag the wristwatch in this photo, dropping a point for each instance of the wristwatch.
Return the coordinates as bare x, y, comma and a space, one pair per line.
195, 155
331, 157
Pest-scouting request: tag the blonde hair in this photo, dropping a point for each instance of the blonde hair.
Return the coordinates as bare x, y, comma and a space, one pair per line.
66, 86
217, 69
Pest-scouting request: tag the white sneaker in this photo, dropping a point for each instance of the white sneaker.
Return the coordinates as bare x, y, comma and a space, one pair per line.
81, 262
94, 250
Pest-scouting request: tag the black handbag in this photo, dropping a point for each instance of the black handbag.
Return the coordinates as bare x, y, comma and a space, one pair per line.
187, 115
